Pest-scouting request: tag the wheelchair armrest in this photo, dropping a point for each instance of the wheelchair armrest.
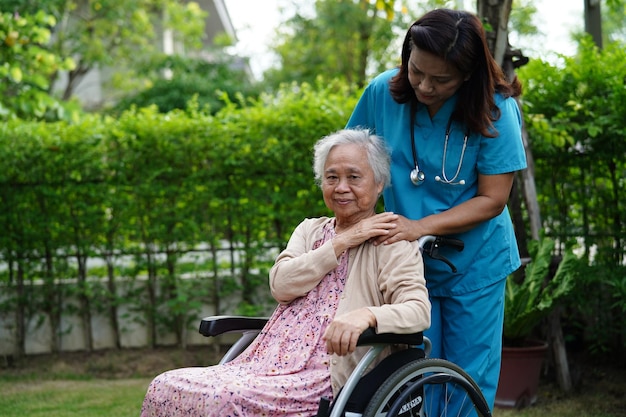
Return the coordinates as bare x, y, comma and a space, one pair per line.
369, 337
217, 325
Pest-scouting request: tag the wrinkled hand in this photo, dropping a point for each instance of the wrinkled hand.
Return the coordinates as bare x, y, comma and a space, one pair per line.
378, 226
344, 331
404, 229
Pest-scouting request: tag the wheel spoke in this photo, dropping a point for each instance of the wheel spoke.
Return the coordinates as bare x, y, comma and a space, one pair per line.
428, 388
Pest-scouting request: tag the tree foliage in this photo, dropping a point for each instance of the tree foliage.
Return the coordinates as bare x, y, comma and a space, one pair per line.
576, 124
529, 301
207, 82
353, 40
575, 115
27, 66
111, 33
340, 41
614, 21
143, 191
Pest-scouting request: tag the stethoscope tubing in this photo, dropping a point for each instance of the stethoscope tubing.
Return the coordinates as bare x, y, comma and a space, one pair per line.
418, 176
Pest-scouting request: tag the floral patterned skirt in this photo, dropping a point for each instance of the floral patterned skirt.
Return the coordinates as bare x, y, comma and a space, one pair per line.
284, 372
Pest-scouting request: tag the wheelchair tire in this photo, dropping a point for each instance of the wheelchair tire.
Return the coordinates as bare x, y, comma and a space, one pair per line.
402, 394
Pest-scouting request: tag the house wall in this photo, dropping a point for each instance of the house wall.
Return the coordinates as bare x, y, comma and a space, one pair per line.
134, 334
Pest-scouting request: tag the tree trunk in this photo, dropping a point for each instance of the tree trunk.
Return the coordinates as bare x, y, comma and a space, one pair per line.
496, 13
85, 302
559, 353
517, 215
529, 189
217, 288
74, 77
172, 289
112, 301
151, 285
593, 21
53, 301
20, 315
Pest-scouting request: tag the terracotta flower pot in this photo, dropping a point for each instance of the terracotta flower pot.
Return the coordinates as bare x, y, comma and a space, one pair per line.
519, 374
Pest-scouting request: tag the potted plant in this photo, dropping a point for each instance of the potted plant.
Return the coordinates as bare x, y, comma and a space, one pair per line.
527, 303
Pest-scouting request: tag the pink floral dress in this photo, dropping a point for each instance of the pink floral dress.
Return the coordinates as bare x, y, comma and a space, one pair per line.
284, 372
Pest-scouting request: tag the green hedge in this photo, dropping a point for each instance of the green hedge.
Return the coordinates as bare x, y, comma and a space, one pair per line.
160, 198
152, 188
576, 120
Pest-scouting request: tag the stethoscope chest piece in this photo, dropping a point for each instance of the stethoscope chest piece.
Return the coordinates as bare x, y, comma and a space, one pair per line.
417, 176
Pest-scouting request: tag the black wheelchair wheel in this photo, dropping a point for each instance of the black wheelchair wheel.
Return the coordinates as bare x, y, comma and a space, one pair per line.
428, 388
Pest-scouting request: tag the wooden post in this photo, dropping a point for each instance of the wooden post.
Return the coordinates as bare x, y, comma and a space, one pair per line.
561, 366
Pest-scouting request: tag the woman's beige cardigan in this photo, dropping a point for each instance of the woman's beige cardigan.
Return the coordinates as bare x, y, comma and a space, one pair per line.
388, 279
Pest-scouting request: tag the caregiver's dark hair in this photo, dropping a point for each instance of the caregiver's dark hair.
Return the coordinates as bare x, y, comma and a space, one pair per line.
459, 38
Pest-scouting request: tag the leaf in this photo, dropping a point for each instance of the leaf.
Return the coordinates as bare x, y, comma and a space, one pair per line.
528, 302
16, 74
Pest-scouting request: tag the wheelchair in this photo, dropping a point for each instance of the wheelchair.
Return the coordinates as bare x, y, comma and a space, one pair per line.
413, 384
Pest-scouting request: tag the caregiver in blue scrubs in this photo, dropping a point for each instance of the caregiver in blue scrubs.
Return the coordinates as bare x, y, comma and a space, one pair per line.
451, 121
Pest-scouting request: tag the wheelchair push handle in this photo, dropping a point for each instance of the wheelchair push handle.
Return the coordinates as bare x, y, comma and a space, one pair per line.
430, 246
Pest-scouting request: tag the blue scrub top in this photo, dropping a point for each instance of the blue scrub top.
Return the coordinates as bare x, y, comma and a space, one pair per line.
491, 252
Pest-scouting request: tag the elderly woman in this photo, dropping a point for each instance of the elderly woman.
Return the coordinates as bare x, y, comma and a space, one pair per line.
332, 284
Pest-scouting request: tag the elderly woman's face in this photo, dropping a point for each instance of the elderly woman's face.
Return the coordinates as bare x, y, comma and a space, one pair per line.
348, 185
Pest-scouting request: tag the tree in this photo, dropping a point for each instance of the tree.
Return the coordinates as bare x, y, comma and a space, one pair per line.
341, 40
26, 67
605, 21
575, 115
496, 15
110, 33
354, 39
614, 21
207, 81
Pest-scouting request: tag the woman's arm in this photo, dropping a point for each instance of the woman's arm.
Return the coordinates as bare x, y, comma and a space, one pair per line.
393, 298
299, 268
491, 198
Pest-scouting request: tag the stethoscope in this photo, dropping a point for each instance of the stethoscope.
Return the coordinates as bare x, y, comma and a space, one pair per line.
417, 176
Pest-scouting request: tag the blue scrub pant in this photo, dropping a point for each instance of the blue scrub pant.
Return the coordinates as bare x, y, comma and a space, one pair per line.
467, 330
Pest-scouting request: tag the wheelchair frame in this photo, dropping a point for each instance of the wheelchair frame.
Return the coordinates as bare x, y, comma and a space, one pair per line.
402, 393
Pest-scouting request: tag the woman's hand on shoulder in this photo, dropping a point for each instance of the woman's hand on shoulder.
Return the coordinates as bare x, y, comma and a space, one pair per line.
405, 229
376, 227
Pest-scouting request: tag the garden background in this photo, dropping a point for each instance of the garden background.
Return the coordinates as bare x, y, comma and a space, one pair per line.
135, 220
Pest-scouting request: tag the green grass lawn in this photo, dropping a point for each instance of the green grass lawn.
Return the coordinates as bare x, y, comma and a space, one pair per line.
69, 398
113, 384
109, 383
122, 398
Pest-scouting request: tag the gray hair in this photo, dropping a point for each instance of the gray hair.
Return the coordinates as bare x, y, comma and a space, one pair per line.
377, 152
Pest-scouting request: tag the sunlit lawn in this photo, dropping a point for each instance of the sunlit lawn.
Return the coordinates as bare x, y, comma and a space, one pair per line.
69, 395
69, 398
122, 398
